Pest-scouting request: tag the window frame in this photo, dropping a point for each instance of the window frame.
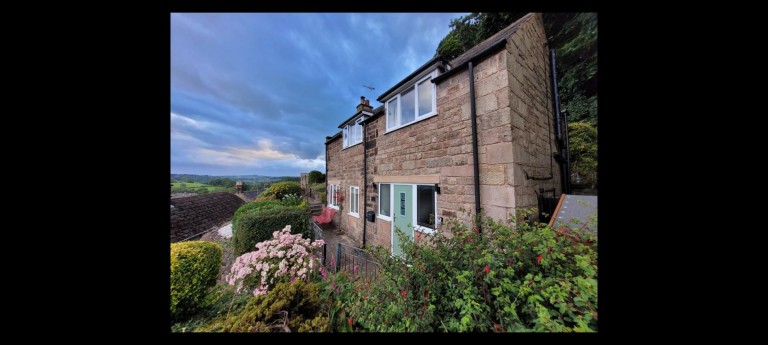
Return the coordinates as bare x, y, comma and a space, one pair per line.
417, 117
349, 133
354, 201
391, 190
334, 190
414, 207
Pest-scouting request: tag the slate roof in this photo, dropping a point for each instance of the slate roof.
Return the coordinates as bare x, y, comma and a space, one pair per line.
194, 215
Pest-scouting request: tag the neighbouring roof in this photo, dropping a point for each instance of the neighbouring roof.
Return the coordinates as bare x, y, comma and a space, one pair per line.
195, 215
376, 113
333, 137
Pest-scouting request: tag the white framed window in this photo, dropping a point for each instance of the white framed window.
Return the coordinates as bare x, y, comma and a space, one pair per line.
425, 206
354, 201
333, 192
385, 201
416, 103
353, 132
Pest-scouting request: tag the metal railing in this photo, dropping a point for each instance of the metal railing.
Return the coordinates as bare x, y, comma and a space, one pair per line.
350, 259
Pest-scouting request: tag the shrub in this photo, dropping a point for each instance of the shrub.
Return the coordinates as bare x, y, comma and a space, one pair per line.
315, 177
258, 225
531, 278
284, 258
280, 189
194, 268
291, 200
293, 305
219, 303
252, 206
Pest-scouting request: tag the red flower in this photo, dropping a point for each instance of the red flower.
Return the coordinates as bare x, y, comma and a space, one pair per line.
403, 293
538, 260
350, 321
469, 239
487, 269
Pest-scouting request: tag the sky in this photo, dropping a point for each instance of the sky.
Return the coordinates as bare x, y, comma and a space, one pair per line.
256, 94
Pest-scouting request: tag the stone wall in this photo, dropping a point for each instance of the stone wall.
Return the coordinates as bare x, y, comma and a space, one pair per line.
345, 168
533, 135
194, 215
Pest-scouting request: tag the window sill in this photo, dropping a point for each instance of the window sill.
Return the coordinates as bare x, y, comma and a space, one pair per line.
334, 207
356, 215
389, 219
411, 123
424, 230
353, 145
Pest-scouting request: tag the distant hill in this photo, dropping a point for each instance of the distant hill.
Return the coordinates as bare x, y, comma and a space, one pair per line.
249, 179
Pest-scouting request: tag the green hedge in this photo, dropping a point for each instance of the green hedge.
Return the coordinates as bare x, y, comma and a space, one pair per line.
258, 225
252, 206
280, 189
194, 268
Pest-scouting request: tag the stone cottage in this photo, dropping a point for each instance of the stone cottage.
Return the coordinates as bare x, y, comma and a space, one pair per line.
474, 134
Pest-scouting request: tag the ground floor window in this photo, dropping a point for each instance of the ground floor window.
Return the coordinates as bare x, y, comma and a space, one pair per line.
333, 192
354, 198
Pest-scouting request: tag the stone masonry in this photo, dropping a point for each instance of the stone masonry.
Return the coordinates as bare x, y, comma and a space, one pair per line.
515, 136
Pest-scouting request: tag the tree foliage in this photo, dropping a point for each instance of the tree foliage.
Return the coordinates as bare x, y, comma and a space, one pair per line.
583, 148
315, 177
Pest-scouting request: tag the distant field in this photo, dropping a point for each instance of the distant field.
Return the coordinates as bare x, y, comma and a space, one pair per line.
198, 185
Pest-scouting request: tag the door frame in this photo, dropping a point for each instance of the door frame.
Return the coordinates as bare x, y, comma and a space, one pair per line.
417, 227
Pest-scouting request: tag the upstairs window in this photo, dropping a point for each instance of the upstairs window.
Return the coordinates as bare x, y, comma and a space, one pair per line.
413, 104
353, 132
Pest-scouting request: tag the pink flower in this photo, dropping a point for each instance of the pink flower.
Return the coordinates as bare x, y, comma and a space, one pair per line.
403, 293
354, 269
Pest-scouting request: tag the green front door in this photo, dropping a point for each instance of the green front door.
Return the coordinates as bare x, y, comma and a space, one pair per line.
403, 214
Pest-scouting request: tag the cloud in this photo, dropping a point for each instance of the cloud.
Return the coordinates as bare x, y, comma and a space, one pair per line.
252, 95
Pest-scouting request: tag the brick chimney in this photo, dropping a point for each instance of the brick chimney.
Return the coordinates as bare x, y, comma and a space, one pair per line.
364, 105
239, 186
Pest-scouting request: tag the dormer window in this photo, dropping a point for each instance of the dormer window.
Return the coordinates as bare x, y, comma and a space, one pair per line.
415, 103
353, 132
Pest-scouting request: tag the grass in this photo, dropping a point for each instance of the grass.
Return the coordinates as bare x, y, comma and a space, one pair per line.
198, 185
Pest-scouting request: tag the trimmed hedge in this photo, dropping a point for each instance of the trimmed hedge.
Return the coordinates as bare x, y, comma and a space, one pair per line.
194, 268
280, 189
259, 224
251, 206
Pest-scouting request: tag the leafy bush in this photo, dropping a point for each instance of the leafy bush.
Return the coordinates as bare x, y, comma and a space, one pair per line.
291, 199
252, 206
285, 258
583, 147
315, 177
532, 278
194, 268
293, 305
219, 303
258, 225
280, 189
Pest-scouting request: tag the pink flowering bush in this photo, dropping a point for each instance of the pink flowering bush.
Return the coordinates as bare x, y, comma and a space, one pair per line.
285, 258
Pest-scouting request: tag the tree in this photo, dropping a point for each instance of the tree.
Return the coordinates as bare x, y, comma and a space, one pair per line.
315, 177
583, 149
